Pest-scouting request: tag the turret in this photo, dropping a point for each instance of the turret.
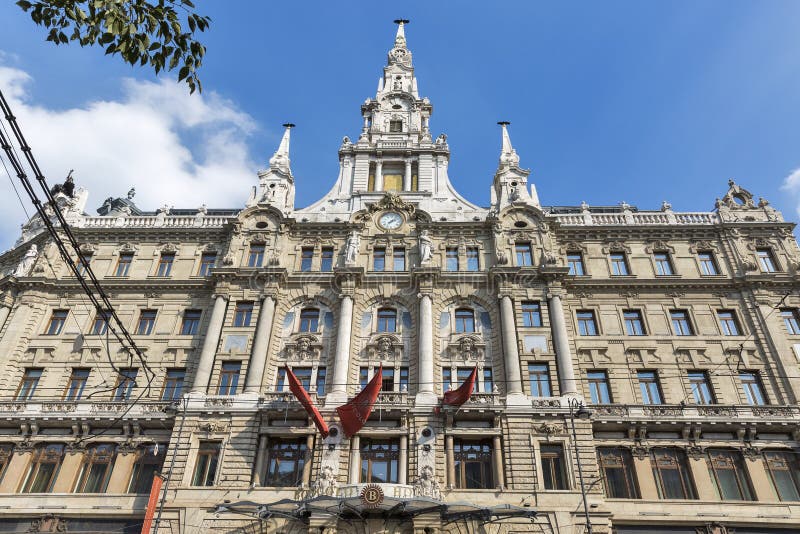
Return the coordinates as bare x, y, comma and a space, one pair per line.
510, 180
276, 184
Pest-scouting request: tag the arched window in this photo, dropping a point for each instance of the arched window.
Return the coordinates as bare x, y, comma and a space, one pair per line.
309, 320
96, 469
465, 320
43, 468
387, 320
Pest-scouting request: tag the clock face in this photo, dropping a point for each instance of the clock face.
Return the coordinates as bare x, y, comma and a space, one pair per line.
391, 220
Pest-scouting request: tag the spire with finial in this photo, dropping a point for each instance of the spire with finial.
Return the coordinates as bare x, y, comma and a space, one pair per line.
400, 53
280, 160
508, 156
400, 38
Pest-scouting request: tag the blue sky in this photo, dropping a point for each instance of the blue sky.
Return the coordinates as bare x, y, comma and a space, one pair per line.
609, 101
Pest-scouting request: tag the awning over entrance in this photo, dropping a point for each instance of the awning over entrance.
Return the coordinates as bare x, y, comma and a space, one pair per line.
354, 507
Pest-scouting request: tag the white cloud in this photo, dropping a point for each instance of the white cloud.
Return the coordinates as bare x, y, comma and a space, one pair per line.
792, 184
174, 148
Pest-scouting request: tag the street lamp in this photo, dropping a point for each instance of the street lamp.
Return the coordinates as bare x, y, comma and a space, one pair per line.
577, 409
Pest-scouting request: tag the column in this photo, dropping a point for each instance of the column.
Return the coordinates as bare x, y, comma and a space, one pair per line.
121, 472
451, 462
341, 364
407, 176
566, 373
68, 472
309, 457
402, 468
206, 363
379, 175
261, 454
497, 456
17, 466
425, 394
258, 357
645, 478
510, 352
355, 460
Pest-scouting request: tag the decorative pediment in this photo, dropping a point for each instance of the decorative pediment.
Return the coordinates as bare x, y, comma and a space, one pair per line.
737, 198
467, 348
303, 347
659, 246
385, 347
391, 201
701, 245
616, 246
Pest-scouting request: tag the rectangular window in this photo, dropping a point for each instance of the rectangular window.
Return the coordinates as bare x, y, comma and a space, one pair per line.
728, 323
599, 390
387, 379
649, 387
56, 323
379, 461
447, 379
708, 265
6, 452
306, 258
82, 262
76, 384
173, 384
766, 261
619, 264
303, 375
395, 126
553, 469
539, 377
452, 258
753, 390
531, 314
126, 381
191, 322
791, 318
309, 320
700, 384
229, 378
587, 326
149, 460
43, 468
663, 264
321, 381
680, 323
473, 464
616, 469
243, 314
207, 262
729, 476
634, 324
488, 383
28, 384
205, 468
465, 321
326, 265
473, 259
165, 264
96, 469
124, 264
784, 472
379, 259
286, 459
256, 256
399, 255
671, 471
403, 379
524, 254
100, 325
575, 263
147, 320
387, 320
363, 377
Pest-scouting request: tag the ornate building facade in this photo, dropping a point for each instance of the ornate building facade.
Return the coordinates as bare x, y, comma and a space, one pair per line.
645, 359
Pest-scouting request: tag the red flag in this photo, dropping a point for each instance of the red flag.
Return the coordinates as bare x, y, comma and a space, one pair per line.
302, 395
356, 412
459, 396
152, 503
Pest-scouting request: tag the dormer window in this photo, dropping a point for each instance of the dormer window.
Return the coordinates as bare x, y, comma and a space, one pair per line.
309, 320
387, 320
395, 126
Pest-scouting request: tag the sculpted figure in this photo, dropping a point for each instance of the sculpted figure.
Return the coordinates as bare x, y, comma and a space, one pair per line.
326, 484
425, 247
351, 249
26, 264
426, 485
